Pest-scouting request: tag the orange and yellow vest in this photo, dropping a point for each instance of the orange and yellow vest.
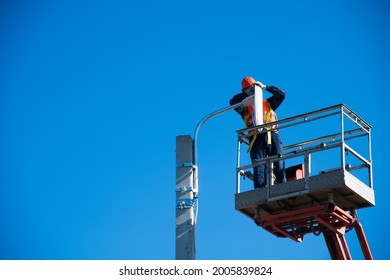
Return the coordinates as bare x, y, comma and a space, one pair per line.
269, 115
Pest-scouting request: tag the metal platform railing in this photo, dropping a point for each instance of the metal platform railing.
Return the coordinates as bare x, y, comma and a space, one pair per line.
345, 126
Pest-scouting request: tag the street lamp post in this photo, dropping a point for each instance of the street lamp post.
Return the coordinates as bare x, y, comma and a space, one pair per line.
187, 189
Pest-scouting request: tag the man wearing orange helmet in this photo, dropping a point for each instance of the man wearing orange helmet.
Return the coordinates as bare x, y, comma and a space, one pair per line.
264, 144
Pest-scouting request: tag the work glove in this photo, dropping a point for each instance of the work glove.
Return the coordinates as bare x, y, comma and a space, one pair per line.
260, 85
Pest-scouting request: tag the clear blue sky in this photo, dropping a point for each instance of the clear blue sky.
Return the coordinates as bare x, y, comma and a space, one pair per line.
94, 93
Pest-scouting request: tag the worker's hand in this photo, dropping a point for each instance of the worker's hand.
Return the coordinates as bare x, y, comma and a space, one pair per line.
247, 101
260, 85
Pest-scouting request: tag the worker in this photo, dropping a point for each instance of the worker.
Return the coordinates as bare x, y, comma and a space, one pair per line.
267, 143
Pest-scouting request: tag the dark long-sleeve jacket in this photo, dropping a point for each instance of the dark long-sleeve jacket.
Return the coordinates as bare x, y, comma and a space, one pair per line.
274, 101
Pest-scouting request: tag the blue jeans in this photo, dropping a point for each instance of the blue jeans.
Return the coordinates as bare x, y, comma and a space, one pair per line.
261, 150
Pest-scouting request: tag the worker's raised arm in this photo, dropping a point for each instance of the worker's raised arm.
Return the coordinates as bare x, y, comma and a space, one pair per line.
277, 97
237, 99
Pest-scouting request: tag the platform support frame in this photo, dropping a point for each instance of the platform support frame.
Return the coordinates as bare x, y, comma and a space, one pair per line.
327, 218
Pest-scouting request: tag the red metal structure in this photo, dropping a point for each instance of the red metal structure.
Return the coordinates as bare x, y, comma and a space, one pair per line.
327, 218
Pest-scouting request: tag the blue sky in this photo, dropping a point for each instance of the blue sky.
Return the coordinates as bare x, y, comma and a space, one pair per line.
94, 93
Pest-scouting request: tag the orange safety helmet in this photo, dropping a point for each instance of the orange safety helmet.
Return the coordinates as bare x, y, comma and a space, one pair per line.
247, 82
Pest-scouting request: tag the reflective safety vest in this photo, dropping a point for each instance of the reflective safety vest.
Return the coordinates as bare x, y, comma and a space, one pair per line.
269, 115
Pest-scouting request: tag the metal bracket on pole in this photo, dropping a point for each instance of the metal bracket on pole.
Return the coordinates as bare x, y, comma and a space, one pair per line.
184, 188
184, 164
184, 203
